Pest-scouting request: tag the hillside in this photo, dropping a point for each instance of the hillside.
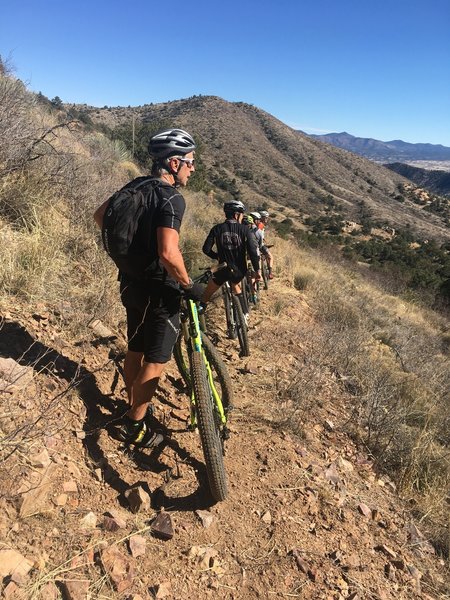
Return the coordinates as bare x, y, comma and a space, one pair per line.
309, 514
245, 149
338, 460
393, 151
435, 181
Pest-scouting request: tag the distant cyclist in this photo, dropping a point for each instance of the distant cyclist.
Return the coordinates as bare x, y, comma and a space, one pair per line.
234, 242
255, 229
264, 249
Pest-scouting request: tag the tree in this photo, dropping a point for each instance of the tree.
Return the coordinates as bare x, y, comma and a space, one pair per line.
57, 102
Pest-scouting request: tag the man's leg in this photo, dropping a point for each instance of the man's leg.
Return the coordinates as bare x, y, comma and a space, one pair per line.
147, 323
143, 389
131, 367
210, 289
135, 427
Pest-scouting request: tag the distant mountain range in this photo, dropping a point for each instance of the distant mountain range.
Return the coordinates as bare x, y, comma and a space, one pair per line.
394, 151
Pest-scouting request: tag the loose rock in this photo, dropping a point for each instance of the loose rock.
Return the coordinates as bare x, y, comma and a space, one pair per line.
163, 590
89, 521
76, 589
138, 499
36, 499
137, 544
41, 460
70, 487
118, 567
162, 526
364, 510
205, 517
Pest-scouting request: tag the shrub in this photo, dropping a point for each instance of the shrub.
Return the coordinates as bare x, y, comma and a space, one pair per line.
302, 279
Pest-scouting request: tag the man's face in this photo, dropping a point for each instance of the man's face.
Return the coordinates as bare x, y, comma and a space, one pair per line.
239, 217
184, 166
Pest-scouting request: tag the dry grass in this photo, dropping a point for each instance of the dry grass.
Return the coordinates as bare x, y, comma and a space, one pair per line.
390, 358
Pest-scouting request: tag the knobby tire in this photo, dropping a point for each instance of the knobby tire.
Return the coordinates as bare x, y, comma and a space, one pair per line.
246, 294
208, 426
241, 327
219, 370
231, 323
265, 274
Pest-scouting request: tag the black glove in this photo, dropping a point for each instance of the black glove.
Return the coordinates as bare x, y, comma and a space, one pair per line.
195, 292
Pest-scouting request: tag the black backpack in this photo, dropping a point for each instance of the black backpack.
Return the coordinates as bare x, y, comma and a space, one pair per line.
126, 210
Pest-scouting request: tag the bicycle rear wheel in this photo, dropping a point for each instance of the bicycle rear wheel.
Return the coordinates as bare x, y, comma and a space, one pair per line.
265, 273
241, 327
221, 377
208, 422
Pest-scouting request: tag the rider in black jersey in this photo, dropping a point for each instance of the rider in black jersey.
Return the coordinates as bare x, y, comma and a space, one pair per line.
152, 302
234, 242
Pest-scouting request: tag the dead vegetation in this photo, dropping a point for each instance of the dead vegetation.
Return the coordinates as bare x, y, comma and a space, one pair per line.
388, 358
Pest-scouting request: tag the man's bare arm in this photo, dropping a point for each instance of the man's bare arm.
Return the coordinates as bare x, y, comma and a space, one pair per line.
170, 255
99, 213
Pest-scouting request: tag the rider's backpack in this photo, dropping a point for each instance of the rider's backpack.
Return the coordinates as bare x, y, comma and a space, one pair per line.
127, 209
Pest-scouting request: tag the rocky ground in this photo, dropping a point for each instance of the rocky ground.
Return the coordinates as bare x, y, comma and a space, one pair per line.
307, 516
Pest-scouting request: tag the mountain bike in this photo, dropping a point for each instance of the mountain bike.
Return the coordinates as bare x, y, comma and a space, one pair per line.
236, 323
265, 269
265, 272
250, 289
210, 387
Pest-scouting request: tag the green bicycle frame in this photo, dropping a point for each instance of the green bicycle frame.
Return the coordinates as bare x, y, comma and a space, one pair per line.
193, 335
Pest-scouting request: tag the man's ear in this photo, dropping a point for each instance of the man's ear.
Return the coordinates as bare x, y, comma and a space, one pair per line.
173, 162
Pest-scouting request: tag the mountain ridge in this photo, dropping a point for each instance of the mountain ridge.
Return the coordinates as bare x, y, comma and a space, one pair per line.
390, 151
247, 151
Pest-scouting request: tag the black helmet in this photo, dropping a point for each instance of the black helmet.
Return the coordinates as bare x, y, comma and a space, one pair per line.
234, 206
170, 142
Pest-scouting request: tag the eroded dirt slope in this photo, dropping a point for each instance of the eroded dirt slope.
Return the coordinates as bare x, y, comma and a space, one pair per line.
307, 515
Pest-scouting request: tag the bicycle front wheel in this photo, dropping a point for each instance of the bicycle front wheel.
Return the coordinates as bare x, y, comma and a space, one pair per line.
220, 375
246, 294
208, 422
231, 323
241, 327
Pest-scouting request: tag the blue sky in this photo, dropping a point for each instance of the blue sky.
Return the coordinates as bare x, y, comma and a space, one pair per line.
373, 68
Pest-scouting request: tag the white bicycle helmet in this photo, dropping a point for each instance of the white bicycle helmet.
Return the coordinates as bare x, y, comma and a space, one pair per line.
170, 142
234, 206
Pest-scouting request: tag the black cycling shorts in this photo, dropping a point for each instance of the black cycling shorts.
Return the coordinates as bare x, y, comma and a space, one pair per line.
153, 320
265, 250
227, 273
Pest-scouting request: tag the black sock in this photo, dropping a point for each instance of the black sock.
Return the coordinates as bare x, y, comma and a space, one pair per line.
131, 424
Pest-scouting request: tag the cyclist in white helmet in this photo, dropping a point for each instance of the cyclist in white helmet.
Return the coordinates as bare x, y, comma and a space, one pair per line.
267, 255
152, 297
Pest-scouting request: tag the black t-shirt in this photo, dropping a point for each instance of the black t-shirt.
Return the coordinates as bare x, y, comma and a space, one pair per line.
165, 209
233, 243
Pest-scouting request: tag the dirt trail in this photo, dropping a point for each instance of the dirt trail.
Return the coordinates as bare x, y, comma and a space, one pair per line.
307, 516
